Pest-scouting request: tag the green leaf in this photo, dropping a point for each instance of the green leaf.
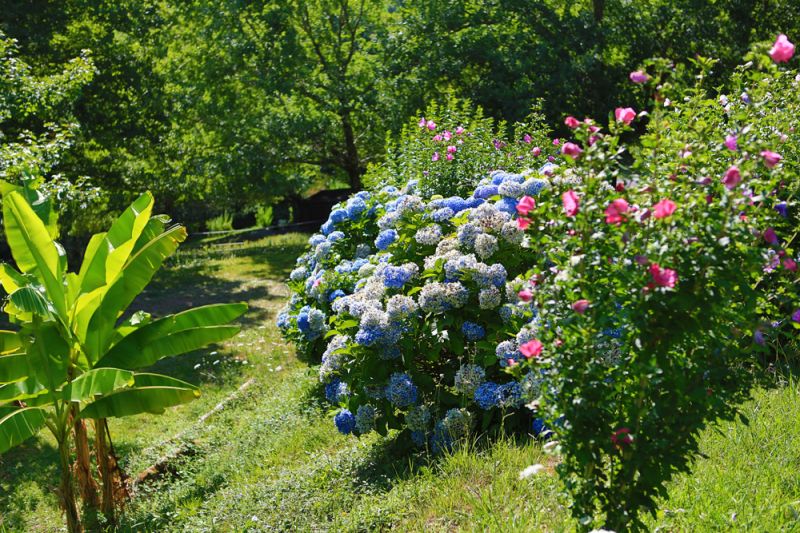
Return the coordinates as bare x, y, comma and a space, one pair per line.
14, 367
151, 393
9, 342
97, 382
33, 248
134, 277
29, 301
21, 390
20, 425
10, 278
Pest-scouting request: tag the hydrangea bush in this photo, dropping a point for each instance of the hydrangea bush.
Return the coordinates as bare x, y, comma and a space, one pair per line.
614, 300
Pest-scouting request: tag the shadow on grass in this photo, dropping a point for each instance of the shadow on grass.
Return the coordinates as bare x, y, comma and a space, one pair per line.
31, 462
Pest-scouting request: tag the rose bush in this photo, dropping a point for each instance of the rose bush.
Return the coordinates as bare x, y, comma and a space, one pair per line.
617, 300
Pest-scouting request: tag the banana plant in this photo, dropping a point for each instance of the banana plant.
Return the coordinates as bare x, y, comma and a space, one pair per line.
75, 357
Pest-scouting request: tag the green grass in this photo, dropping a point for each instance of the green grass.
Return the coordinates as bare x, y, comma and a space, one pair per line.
272, 460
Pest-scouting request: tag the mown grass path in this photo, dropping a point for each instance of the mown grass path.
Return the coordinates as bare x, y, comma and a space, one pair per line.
271, 460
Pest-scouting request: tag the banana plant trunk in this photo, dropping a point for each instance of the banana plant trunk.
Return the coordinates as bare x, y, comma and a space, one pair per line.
83, 468
115, 490
66, 488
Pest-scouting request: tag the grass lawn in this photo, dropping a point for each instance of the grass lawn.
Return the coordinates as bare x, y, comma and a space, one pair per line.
271, 459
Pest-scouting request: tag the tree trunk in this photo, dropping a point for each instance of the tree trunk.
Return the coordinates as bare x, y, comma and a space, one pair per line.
599, 8
66, 489
83, 467
352, 165
115, 491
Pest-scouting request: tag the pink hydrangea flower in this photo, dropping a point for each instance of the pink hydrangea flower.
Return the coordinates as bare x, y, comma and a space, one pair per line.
452, 149
447, 135
527, 138
663, 277
525, 295
790, 264
580, 306
531, 348
435, 156
449, 157
615, 211
571, 203
771, 158
556, 142
625, 114
571, 149
460, 130
431, 125
523, 223
637, 76
572, 122
664, 208
437, 138
422, 122
783, 49
731, 143
732, 177
536, 151
525, 205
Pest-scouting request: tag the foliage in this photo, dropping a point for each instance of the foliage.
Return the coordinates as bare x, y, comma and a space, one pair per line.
264, 216
73, 358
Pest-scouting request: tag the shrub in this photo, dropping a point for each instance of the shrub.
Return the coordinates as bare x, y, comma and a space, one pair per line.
264, 216
223, 222
449, 149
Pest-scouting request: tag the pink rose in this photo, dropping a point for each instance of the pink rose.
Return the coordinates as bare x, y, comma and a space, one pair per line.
732, 177
771, 158
449, 157
437, 138
451, 149
664, 208
447, 135
731, 143
525, 205
796, 316
531, 348
527, 138
622, 437
525, 295
782, 51
460, 130
638, 76
663, 277
571, 203
571, 149
523, 223
625, 114
431, 125
790, 264
615, 211
580, 306
572, 122
536, 151
435, 156
422, 122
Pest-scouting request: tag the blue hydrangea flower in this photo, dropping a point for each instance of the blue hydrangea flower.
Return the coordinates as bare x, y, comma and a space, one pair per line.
338, 293
507, 205
486, 395
335, 236
345, 421
315, 240
283, 320
783, 209
539, 428
534, 186
472, 331
355, 207
442, 215
614, 333
327, 227
338, 215
401, 390
485, 191
385, 239
336, 390
394, 277
419, 438
509, 395
365, 418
